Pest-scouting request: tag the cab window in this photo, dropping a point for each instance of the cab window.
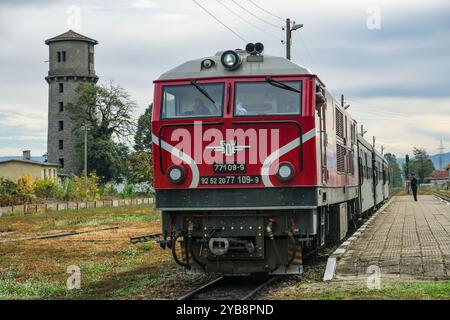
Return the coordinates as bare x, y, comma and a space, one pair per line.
264, 98
192, 101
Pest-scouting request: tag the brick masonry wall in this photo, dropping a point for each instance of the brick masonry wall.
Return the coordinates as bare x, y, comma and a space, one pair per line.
70, 205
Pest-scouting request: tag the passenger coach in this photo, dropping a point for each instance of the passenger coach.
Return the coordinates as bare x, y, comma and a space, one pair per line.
255, 164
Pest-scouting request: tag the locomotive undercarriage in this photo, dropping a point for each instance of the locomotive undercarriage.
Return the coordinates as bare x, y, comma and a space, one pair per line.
241, 242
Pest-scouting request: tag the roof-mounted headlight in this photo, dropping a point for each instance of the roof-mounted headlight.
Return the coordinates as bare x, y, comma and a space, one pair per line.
230, 60
254, 48
207, 64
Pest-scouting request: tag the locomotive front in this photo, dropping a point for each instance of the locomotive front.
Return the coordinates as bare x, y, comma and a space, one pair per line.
235, 162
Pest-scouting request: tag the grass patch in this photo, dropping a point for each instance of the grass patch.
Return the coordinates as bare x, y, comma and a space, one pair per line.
136, 250
11, 289
73, 219
95, 268
140, 283
420, 290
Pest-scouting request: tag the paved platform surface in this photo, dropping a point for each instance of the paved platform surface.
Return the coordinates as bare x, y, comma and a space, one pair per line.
408, 240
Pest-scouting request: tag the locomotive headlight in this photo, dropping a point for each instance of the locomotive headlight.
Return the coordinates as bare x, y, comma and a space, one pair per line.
207, 64
230, 60
285, 172
176, 174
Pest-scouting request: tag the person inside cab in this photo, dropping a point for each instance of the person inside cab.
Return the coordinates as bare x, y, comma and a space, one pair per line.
198, 109
240, 110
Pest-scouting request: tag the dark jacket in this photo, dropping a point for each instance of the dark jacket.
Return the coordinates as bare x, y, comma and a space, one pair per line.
413, 183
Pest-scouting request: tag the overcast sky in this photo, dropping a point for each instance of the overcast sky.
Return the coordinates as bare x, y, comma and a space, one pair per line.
390, 58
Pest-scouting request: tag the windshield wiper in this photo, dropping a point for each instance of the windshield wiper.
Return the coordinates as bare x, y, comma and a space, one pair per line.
281, 85
202, 91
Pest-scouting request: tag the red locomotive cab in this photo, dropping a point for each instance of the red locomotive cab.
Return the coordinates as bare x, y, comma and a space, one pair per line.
253, 161
234, 130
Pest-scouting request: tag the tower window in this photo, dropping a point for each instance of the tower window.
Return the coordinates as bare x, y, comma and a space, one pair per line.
61, 106
61, 87
61, 163
91, 57
61, 56
61, 144
60, 125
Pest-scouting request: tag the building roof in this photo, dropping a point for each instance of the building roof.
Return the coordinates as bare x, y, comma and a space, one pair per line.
439, 175
70, 36
46, 164
269, 65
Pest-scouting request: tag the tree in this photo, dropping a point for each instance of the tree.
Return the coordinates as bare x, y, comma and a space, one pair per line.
140, 162
141, 169
394, 170
107, 112
143, 136
421, 164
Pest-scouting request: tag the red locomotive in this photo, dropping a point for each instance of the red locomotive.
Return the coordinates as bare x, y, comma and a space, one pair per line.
256, 164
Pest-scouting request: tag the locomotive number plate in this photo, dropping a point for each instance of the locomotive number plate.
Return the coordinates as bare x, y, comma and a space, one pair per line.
230, 180
219, 168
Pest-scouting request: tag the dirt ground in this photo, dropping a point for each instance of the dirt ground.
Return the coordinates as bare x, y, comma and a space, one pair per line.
110, 266
113, 268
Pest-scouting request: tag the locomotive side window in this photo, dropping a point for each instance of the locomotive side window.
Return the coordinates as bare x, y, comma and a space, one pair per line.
192, 101
263, 98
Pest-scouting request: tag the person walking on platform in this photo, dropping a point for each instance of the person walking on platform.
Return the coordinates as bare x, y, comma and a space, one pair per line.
413, 184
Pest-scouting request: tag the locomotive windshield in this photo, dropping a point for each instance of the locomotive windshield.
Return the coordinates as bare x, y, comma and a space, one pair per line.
267, 98
192, 100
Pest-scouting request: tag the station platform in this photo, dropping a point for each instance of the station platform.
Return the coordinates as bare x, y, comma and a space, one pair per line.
407, 240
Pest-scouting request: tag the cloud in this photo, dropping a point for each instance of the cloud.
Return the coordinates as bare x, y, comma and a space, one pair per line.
144, 4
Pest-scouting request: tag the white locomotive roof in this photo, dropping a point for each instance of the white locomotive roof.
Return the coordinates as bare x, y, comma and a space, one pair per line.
270, 65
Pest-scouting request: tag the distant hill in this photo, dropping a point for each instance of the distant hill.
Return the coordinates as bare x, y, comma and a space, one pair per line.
5, 158
434, 158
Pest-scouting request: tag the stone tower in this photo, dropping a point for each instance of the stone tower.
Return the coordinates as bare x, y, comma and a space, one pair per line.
71, 62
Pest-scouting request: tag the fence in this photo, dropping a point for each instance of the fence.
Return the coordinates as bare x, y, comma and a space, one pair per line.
72, 205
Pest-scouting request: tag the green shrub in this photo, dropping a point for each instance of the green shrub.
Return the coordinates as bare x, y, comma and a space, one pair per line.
25, 185
128, 191
108, 191
16, 199
75, 188
48, 188
7, 187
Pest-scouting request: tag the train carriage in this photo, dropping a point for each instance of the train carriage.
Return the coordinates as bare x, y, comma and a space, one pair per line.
255, 163
367, 187
379, 164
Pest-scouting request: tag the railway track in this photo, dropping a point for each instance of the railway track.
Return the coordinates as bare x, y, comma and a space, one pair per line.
58, 235
442, 197
231, 288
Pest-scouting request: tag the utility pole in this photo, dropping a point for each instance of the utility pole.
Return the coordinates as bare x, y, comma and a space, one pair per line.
288, 38
441, 153
289, 30
363, 132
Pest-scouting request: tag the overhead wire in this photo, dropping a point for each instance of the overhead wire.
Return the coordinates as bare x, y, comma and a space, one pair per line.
219, 21
254, 15
248, 22
265, 10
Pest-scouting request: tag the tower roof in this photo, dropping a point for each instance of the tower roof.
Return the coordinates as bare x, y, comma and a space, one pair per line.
70, 36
